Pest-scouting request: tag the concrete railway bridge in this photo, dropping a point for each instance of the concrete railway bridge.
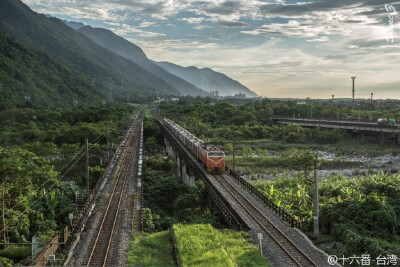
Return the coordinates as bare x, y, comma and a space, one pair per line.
245, 208
359, 127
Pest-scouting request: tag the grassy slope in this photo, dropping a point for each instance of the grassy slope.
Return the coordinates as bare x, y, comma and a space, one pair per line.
150, 250
201, 245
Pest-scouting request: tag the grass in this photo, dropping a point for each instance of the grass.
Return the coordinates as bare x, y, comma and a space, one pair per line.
199, 245
150, 250
202, 245
240, 248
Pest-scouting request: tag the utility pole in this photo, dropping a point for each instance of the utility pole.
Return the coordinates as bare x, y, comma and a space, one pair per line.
372, 100
233, 148
108, 145
353, 77
87, 165
111, 95
316, 202
3, 218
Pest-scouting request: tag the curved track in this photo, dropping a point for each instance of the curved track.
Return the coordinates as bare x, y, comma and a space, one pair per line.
297, 256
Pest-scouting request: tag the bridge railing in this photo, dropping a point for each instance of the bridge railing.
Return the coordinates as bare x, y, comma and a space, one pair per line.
281, 213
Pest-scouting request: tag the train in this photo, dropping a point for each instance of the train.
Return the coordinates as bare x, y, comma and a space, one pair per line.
385, 121
209, 155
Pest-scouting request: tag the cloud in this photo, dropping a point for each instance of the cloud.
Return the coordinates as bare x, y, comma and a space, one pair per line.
127, 30
146, 24
193, 20
232, 24
225, 8
277, 48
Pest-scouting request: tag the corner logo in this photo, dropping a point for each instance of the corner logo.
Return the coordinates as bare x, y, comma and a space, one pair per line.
390, 8
389, 36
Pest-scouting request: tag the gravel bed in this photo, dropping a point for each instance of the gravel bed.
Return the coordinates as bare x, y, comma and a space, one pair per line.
123, 232
86, 238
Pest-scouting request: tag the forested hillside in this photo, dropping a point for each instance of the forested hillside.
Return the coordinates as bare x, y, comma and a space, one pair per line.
99, 65
30, 78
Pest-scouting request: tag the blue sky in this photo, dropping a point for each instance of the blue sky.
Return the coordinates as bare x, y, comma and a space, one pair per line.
277, 48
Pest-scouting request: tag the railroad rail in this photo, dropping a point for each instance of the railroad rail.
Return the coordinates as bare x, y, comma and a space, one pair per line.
103, 244
297, 256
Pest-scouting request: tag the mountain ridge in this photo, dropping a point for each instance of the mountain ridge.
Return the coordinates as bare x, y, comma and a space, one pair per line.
130, 51
207, 79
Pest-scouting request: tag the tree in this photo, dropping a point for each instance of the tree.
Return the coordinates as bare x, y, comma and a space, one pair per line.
300, 160
21, 173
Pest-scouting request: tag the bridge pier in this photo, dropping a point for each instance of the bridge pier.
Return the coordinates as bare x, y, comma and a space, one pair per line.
190, 178
169, 149
185, 176
360, 136
381, 138
179, 166
398, 138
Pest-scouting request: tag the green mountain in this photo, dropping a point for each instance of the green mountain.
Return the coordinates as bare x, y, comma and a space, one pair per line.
29, 77
128, 50
208, 79
107, 70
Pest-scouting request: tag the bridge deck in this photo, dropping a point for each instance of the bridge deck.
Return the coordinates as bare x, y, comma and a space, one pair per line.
366, 126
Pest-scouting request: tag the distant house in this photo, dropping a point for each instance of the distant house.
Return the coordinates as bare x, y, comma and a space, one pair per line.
214, 93
240, 95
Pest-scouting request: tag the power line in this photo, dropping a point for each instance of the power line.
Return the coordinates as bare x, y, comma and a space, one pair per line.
97, 140
48, 180
39, 198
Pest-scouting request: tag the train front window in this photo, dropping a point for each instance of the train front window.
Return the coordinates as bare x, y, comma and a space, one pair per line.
215, 154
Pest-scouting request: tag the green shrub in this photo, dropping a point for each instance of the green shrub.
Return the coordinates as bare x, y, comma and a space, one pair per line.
4, 262
16, 253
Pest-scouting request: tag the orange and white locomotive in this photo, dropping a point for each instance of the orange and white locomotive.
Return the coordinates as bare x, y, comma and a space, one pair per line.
211, 156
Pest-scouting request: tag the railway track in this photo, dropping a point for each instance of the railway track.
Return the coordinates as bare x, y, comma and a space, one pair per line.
293, 252
103, 245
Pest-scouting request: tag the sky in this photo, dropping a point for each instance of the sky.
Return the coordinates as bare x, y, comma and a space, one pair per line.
277, 48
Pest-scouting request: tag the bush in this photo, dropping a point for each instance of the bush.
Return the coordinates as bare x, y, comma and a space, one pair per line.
16, 253
5, 262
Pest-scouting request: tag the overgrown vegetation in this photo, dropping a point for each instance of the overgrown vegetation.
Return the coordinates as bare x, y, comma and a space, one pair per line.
202, 245
150, 250
361, 212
